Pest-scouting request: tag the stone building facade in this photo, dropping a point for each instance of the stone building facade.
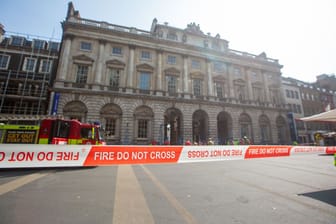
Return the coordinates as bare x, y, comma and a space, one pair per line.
167, 84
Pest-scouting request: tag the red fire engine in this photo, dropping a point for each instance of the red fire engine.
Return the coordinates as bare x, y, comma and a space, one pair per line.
59, 131
53, 131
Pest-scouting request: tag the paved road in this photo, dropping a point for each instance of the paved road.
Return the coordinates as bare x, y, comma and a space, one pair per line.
279, 190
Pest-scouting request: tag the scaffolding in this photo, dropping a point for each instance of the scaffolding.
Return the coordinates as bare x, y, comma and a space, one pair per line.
27, 69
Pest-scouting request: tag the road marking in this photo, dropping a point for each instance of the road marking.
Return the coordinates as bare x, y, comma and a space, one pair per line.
12, 185
188, 218
130, 205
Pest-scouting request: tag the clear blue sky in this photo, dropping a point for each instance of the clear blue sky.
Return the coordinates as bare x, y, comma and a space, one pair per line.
301, 34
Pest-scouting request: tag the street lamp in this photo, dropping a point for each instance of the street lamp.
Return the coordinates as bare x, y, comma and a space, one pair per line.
168, 132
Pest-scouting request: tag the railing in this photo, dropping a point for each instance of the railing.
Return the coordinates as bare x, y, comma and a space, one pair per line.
109, 26
252, 56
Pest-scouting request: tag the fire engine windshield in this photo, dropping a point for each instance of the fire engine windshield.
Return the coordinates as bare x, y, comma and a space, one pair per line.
87, 133
100, 132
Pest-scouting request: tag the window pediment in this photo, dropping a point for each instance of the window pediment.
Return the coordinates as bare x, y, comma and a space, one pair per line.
143, 111
75, 106
144, 67
257, 84
197, 75
219, 78
111, 109
172, 71
82, 59
115, 63
274, 87
239, 82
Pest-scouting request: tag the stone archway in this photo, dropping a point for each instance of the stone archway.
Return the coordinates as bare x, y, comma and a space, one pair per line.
174, 120
111, 115
224, 127
282, 130
143, 125
200, 126
245, 123
265, 130
75, 110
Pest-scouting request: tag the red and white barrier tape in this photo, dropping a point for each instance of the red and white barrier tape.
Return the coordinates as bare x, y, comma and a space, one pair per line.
15, 155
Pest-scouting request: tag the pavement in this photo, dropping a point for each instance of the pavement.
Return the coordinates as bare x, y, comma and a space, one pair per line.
299, 189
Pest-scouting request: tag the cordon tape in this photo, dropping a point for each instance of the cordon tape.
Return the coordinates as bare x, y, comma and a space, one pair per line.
20, 156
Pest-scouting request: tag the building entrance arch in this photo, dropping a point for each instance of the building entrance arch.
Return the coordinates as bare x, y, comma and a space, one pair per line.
173, 121
75, 110
224, 128
200, 122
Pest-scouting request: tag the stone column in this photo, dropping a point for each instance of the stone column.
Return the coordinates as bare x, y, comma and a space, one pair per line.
159, 127
210, 84
230, 80
130, 75
266, 89
248, 84
65, 56
98, 73
185, 77
159, 89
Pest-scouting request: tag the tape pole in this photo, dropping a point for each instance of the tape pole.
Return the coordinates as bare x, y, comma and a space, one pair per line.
35, 155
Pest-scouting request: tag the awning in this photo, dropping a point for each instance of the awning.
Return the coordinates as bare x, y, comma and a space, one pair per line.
329, 116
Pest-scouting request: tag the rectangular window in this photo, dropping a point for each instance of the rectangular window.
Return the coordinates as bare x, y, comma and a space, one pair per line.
4, 61
171, 60
299, 109
292, 94
244, 130
142, 128
53, 46
82, 74
254, 75
171, 36
17, 41
219, 89
257, 93
117, 50
195, 64
237, 71
39, 44
287, 93
29, 64
197, 87
144, 81
219, 66
296, 95
45, 66
110, 127
294, 108
114, 78
145, 55
264, 133
85, 46
171, 84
